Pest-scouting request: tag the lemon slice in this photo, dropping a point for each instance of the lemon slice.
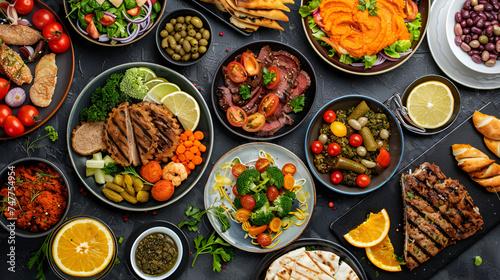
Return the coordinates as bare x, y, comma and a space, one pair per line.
148, 73
430, 104
156, 93
153, 82
184, 107
382, 256
83, 247
371, 232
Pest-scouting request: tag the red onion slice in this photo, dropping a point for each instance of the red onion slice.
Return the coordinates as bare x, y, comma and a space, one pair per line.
382, 53
109, 14
80, 28
103, 38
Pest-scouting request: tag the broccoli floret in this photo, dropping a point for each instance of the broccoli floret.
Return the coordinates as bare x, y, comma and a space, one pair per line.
237, 203
290, 194
263, 216
249, 180
282, 205
132, 83
260, 199
276, 177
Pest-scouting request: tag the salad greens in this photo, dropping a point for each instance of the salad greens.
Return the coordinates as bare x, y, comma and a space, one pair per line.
307, 10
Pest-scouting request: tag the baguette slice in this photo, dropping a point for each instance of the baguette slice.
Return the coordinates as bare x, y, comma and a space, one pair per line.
488, 125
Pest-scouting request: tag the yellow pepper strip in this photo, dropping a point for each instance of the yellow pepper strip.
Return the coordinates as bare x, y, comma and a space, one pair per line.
269, 247
303, 204
221, 190
303, 221
296, 188
245, 226
277, 234
255, 243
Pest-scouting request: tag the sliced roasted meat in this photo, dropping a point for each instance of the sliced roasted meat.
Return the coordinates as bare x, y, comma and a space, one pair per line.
272, 127
232, 86
144, 131
263, 56
169, 131
225, 98
290, 62
282, 87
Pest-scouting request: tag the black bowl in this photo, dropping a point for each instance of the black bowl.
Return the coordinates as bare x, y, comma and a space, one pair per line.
396, 144
298, 118
6, 172
175, 14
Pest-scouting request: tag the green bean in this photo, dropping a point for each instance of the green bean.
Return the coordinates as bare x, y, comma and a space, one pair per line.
368, 140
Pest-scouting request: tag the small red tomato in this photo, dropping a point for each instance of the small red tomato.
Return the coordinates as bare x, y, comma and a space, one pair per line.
42, 17
4, 88
13, 126
237, 169
317, 147
92, 30
355, 140
264, 239
272, 193
362, 181
24, 7
262, 164
336, 177
61, 44
5, 112
329, 116
289, 168
28, 115
52, 31
235, 191
334, 149
248, 202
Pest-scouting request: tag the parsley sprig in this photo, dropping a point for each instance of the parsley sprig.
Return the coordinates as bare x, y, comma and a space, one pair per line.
298, 104
196, 215
37, 258
51, 133
245, 92
368, 5
268, 76
220, 250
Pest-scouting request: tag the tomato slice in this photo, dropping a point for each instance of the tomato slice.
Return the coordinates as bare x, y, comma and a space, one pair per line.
269, 104
256, 122
236, 116
276, 80
92, 30
237, 169
135, 11
289, 168
107, 20
251, 65
88, 18
412, 11
262, 164
236, 72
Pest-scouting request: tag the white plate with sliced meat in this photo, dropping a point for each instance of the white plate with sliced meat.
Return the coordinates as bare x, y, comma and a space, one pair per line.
263, 90
127, 127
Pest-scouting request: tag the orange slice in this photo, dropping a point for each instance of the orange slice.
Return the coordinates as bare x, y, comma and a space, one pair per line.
382, 256
83, 247
371, 232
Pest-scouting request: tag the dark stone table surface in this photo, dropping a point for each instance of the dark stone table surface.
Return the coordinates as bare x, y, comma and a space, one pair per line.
90, 60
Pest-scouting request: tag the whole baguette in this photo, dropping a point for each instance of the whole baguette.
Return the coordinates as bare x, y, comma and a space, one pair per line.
488, 125
493, 145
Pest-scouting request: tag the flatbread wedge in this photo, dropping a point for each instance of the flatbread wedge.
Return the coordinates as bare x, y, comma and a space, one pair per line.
262, 4
247, 18
243, 25
270, 14
281, 268
307, 267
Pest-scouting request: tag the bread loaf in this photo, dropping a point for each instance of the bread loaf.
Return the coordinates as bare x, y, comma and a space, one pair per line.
488, 125
493, 145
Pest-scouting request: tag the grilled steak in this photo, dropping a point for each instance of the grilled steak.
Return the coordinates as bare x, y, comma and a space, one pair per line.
168, 131
438, 212
144, 131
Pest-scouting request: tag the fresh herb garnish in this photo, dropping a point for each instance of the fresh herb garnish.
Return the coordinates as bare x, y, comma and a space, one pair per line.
120, 240
245, 92
51, 133
131, 171
117, 260
37, 258
410, 194
363, 258
376, 273
196, 214
220, 250
310, 248
478, 261
42, 175
298, 104
399, 259
268, 76
34, 195
110, 168
368, 5
19, 180
4, 201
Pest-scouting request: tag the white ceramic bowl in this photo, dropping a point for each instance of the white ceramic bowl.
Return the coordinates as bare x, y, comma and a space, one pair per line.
463, 57
174, 237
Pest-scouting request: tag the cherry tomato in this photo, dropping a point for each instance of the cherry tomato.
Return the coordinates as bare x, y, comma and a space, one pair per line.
88, 18
317, 147
355, 140
334, 149
92, 30
242, 215
384, 158
262, 164
238, 169
250, 63
5, 112
412, 11
336, 177
52, 31
236, 72
42, 17
235, 191
255, 122
60, 45
269, 104
362, 181
134, 11
272, 193
13, 126
28, 115
329, 116
289, 168
236, 116
24, 7
107, 20
256, 230
339, 129
275, 80
4, 88
247, 201
264, 239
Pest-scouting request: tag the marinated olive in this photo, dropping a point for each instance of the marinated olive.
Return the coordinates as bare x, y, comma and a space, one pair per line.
203, 42
191, 32
181, 41
170, 51
196, 22
323, 138
183, 33
202, 30
197, 36
173, 21
178, 27
171, 41
180, 19
176, 57
187, 19
182, 52
202, 49
187, 46
496, 30
178, 36
193, 42
194, 49
169, 27
177, 48
195, 55
483, 39
164, 43
164, 33
190, 27
205, 34
188, 38
186, 57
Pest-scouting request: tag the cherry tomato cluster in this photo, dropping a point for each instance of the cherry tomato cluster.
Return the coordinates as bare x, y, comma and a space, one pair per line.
52, 31
14, 126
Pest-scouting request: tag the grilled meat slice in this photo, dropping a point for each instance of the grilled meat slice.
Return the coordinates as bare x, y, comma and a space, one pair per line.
120, 136
167, 137
144, 131
438, 212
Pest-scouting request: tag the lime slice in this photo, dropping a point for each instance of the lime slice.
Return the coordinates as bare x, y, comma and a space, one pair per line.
185, 107
153, 82
156, 93
149, 74
430, 104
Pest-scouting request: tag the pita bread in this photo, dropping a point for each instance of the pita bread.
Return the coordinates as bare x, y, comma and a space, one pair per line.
262, 4
247, 18
306, 268
281, 268
270, 14
243, 25
345, 272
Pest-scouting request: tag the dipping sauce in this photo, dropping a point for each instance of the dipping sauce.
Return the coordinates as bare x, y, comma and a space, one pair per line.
156, 254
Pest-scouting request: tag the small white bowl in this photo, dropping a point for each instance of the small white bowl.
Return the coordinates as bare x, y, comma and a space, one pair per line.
463, 57
177, 242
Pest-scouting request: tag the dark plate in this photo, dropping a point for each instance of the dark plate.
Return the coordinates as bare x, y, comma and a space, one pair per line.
396, 144
322, 51
4, 174
319, 244
73, 22
390, 199
205, 125
222, 16
185, 246
255, 47
66, 67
